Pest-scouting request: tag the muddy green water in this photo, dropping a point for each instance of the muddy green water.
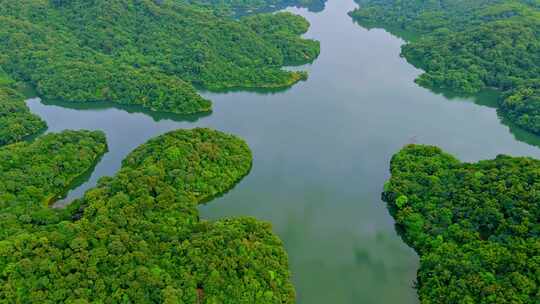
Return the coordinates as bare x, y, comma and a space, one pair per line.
321, 153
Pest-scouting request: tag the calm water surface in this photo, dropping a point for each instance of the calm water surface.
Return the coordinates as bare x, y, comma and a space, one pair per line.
321, 153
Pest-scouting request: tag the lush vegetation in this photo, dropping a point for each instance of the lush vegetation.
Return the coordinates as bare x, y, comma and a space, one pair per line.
522, 106
475, 226
283, 30
16, 121
149, 53
137, 237
468, 46
33, 174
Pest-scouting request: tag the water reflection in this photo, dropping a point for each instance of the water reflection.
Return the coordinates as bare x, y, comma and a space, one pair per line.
321, 155
102, 105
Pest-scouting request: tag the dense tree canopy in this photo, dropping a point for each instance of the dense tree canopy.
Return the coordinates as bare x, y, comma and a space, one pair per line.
426, 16
146, 52
283, 30
468, 46
476, 226
137, 237
33, 174
16, 121
522, 106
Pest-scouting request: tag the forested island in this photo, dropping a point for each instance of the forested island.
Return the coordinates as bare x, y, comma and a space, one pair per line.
136, 237
148, 53
476, 226
468, 46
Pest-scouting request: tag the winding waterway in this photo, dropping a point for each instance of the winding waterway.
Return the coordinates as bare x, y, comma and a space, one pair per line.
321, 155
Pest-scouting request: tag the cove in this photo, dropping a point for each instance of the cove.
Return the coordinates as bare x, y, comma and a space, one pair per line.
321, 155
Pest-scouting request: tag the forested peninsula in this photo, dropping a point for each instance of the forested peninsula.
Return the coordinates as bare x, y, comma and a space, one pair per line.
137, 236
468, 46
148, 53
475, 226
33, 174
16, 121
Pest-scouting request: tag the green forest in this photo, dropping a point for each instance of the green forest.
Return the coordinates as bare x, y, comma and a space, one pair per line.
468, 46
16, 121
148, 53
34, 174
137, 236
475, 226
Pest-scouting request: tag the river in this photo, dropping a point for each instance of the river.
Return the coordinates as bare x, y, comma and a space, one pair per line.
321, 155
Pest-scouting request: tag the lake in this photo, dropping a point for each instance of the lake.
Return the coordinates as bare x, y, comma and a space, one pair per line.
321, 155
